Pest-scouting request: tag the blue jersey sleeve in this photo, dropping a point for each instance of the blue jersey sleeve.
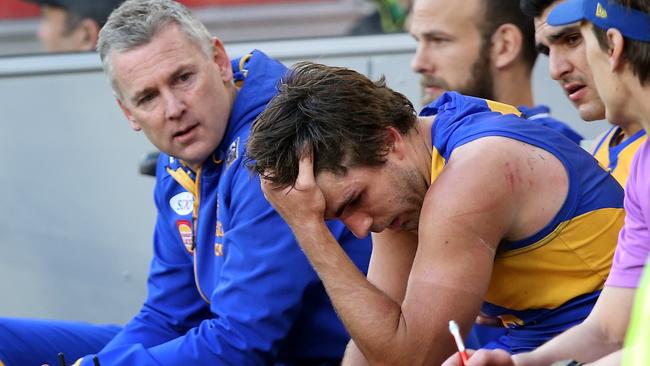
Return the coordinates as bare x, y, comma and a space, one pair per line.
172, 306
254, 303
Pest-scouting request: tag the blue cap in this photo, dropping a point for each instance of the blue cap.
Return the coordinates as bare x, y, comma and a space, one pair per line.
604, 14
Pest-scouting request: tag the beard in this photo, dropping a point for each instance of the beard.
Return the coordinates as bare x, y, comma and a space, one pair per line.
411, 188
480, 83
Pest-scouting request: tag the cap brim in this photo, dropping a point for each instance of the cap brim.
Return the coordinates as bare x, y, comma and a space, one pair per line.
567, 12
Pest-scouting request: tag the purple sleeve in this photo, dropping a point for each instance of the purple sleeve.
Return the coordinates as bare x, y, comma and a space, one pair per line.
634, 239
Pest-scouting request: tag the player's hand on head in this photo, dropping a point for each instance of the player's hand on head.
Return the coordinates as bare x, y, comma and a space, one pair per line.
301, 203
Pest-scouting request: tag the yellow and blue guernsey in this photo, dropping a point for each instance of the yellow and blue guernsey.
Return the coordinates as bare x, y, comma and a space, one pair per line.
548, 282
616, 158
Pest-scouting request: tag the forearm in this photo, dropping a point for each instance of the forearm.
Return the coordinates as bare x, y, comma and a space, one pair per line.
600, 334
612, 359
373, 319
585, 342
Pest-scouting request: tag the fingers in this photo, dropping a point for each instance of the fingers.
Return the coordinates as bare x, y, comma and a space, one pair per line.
482, 357
495, 357
306, 177
454, 360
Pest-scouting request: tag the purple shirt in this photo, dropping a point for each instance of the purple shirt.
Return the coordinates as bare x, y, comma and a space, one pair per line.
634, 240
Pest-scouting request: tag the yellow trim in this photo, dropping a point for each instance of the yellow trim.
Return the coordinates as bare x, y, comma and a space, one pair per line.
565, 264
545, 240
195, 215
2, 364
601, 12
624, 159
502, 108
602, 154
437, 163
181, 176
78, 362
510, 321
243, 61
242, 64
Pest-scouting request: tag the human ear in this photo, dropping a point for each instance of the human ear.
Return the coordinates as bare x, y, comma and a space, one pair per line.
220, 58
616, 43
506, 45
129, 116
395, 142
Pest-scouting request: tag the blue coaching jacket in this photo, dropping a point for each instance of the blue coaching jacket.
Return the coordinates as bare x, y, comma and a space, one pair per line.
228, 283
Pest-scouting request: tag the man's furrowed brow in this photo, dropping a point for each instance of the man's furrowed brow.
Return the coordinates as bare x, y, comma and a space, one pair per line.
563, 32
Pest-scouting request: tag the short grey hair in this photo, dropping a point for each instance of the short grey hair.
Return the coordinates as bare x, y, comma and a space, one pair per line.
136, 22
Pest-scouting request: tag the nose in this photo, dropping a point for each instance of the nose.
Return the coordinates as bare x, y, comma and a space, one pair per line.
421, 61
558, 64
358, 223
174, 106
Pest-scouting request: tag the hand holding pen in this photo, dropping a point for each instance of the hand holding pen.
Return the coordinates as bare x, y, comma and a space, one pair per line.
455, 331
482, 357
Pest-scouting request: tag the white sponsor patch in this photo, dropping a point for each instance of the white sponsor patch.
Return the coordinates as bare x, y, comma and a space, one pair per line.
182, 203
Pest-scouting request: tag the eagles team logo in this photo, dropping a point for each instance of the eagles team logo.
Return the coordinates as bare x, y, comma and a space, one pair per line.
182, 203
233, 152
187, 236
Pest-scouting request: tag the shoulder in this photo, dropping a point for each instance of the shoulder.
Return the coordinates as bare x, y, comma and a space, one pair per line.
500, 176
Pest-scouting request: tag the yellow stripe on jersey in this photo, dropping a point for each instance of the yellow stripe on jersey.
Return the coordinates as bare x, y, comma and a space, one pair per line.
502, 108
437, 163
572, 260
624, 159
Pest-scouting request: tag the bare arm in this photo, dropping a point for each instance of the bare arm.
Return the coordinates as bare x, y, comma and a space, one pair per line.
600, 334
388, 271
612, 359
470, 208
598, 339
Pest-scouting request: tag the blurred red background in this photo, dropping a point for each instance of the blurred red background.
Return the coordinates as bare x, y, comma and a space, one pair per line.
15, 9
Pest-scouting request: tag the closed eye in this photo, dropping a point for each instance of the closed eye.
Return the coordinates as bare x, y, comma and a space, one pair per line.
146, 98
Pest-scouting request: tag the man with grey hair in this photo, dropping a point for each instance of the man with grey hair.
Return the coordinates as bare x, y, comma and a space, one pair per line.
228, 284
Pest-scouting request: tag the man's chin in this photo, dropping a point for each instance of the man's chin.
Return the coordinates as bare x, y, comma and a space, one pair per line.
430, 98
590, 113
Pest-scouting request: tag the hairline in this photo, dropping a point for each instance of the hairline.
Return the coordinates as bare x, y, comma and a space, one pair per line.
107, 60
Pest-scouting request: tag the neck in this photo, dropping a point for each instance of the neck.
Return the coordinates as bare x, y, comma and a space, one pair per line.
637, 106
513, 86
629, 129
420, 138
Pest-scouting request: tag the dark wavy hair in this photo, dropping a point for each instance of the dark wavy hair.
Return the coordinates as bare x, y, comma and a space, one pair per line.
336, 115
535, 8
